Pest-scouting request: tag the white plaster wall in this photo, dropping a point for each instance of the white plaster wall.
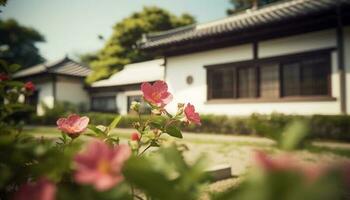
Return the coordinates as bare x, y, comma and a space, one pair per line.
179, 67
121, 99
299, 43
347, 66
71, 90
45, 96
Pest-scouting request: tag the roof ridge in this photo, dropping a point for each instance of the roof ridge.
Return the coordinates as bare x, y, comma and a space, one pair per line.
174, 30
154, 35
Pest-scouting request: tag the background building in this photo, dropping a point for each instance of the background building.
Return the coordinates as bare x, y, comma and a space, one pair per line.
291, 57
116, 93
60, 81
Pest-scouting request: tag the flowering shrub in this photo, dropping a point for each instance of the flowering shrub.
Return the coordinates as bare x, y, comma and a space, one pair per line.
98, 165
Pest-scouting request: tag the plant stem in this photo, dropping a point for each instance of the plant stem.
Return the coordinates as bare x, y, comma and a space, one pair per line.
145, 149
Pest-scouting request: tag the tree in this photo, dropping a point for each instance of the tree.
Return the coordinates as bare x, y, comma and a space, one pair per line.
240, 5
17, 44
120, 50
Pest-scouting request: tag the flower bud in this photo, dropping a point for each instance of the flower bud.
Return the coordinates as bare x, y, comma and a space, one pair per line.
29, 86
156, 111
135, 137
180, 105
151, 135
3, 77
136, 125
180, 108
101, 127
134, 145
135, 106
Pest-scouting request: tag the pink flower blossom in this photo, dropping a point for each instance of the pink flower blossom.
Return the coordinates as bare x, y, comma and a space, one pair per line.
3, 77
73, 125
286, 162
29, 86
101, 165
156, 94
191, 114
273, 164
43, 189
135, 137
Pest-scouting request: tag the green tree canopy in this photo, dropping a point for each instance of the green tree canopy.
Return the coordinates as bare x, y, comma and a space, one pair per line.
120, 50
239, 5
17, 43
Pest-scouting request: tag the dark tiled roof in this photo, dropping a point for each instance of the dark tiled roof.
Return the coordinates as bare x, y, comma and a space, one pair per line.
64, 66
270, 14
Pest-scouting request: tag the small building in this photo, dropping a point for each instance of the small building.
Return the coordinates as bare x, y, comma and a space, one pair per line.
290, 57
60, 81
116, 93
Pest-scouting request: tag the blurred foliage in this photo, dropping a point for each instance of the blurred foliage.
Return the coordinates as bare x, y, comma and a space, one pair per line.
120, 48
240, 5
23, 157
172, 178
17, 43
2, 3
286, 185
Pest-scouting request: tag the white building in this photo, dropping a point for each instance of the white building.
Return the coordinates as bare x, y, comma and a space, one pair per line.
60, 81
116, 93
290, 57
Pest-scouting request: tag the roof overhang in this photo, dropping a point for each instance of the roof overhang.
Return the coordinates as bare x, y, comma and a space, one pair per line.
314, 21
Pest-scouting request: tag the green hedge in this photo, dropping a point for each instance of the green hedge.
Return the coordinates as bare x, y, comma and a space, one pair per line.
326, 127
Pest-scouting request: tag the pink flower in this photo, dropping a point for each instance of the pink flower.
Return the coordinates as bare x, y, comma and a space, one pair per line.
191, 114
101, 165
73, 125
43, 189
3, 77
135, 137
29, 86
274, 164
156, 94
311, 172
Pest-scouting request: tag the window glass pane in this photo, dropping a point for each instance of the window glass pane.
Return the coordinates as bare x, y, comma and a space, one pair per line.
269, 81
104, 104
246, 82
222, 83
291, 79
315, 76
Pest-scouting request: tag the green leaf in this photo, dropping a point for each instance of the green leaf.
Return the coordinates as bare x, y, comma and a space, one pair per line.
174, 131
13, 68
156, 125
114, 122
95, 130
139, 171
294, 135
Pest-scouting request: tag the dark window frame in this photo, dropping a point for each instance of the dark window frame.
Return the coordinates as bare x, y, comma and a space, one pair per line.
276, 59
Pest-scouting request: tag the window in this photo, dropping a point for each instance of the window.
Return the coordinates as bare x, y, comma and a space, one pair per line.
144, 108
269, 81
222, 83
291, 79
296, 75
104, 104
307, 77
246, 82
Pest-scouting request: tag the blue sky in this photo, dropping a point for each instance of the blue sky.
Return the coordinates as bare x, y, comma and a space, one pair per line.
71, 26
